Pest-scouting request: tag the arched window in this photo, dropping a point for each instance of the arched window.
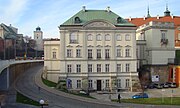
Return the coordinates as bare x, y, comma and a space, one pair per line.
118, 37
98, 37
127, 37
107, 37
77, 20
119, 20
73, 37
89, 37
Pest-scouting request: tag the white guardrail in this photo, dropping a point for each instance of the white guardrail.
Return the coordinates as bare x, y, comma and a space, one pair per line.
6, 63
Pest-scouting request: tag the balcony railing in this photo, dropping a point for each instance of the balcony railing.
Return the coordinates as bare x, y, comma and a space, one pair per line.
74, 41
164, 41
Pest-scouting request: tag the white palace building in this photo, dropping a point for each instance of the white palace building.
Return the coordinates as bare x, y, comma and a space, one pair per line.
96, 50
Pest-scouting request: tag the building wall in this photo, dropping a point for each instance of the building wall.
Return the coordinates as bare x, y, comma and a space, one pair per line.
94, 44
52, 64
157, 51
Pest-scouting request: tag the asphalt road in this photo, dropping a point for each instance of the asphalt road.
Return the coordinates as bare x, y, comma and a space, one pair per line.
26, 85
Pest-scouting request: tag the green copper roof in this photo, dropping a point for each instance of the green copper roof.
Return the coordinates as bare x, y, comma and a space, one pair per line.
90, 15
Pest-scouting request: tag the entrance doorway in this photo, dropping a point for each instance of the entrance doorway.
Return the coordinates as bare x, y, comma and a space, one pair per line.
98, 85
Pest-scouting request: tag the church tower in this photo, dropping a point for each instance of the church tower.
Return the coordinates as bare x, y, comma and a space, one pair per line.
38, 37
38, 34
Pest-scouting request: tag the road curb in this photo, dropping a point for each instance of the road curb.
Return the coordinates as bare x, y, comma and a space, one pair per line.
40, 84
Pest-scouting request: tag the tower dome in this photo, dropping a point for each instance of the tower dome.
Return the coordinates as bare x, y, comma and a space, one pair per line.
167, 12
38, 29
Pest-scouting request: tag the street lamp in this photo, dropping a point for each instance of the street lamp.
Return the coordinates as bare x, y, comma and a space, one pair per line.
41, 102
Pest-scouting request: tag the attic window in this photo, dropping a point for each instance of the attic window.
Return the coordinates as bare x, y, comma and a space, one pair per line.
119, 19
77, 20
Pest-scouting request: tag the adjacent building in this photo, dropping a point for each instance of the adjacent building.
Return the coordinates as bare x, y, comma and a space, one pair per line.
97, 52
157, 43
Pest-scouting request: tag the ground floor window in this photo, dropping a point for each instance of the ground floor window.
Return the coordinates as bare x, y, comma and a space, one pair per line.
78, 83
107, 83
127, 82
119, 83
90, 84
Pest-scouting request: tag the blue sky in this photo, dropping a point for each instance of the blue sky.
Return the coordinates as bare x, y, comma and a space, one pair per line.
26, 15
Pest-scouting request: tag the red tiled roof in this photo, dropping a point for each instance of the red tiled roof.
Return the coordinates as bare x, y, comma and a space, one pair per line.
141, 21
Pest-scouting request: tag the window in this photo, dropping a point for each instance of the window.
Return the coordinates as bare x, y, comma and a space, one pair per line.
127, 82
127, 37
78, 68
127, 67
78, 83
119, 83
69, 68
89, 53
118, 52
142, 36
98, 53
73, 38
163, 35
118, 37
107, 37
107, 83
119, 68
98, 67
89, 67
107, 68
77, 20
178, 36
119, 19
107, 53
90, 84
78, 52
127, 52
98, 37
54, 55
89, 37
164, 39
69, 53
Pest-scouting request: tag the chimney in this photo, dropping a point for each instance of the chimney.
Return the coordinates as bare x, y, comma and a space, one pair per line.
84, 8
144, 18
108, 9
157, 16
172, 16
130, 18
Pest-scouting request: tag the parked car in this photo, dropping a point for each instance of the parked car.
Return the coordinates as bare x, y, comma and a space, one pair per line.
172, 84
151, 86
140, 95
165, 85
158, 86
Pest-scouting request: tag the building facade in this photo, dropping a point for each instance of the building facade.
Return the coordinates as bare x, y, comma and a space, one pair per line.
157, 38
155, 46
97, 52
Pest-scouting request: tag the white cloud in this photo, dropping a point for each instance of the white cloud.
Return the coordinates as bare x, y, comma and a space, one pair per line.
14, 10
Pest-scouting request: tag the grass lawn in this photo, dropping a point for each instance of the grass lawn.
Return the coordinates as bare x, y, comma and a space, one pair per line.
49, 83
52, 84
154, 101
25, 100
